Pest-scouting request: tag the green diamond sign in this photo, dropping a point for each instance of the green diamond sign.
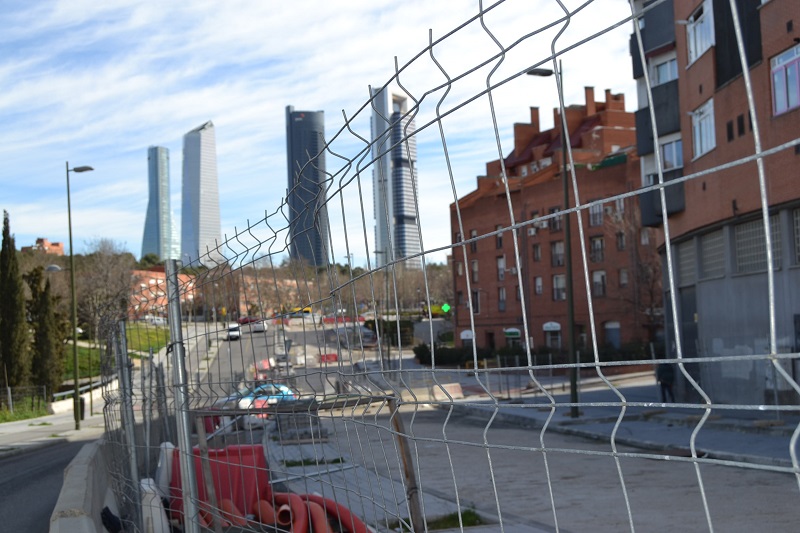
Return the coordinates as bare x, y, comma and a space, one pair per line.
446, 308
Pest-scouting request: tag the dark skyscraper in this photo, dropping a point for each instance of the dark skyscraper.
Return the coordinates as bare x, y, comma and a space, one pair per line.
308, 216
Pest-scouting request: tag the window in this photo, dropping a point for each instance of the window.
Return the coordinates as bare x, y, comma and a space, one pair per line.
712, 254
501, 268
672, 155
501, 298
598, 283
459, 268
555, 222
751, 249
700, 31
596, 215
473, 246
786, 80
476, 302
623, 277
703, 129
538, 286
644, 237
537, 252
557, 253
460, 298
596, 249
686, 263
796, 220
474, 265
498, 239
620, 240
517, 294
664, 71
559, 287
457, 238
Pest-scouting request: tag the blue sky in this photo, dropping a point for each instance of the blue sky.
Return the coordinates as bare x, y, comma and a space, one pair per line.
96, 83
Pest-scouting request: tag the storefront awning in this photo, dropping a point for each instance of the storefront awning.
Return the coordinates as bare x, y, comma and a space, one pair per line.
512, 333
551, 326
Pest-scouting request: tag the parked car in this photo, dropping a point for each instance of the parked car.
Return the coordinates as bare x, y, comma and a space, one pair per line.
352, 337
234, 332
258, 326
256, 398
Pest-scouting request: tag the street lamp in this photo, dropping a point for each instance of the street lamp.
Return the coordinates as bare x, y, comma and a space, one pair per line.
76, 396
573, 373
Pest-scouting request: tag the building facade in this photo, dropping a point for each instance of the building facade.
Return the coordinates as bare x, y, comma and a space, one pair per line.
496, 269
307, 184
394, 178
44, 246
705, 133
158, 231
200, 217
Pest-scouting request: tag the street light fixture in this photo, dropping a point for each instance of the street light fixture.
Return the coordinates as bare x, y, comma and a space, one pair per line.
573, 373
76, 396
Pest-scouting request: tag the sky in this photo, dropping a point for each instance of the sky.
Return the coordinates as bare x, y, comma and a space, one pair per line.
97, 83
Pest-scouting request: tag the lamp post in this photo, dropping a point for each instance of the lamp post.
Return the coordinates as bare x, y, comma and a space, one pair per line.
76, 406
573, 373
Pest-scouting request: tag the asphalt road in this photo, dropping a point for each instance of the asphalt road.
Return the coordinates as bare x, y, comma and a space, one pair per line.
30, 483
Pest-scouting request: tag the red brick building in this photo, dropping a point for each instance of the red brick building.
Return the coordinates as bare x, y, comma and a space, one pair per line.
44, 246
705, 134
501, 261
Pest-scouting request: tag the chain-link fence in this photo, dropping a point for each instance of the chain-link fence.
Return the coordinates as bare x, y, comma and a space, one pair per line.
265, 386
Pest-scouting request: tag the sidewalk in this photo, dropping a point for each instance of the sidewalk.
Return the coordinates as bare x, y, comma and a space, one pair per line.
26, 435
754, 437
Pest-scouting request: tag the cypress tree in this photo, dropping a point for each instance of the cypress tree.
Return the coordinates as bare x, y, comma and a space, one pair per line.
14, 354
47, 352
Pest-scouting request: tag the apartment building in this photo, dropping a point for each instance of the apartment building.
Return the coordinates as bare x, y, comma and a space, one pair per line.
497, 267
705, 134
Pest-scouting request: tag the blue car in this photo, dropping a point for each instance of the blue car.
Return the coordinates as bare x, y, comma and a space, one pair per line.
260, 397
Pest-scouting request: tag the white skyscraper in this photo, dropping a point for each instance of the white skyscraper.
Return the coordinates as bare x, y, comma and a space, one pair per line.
200, 221
393, 179
158, 227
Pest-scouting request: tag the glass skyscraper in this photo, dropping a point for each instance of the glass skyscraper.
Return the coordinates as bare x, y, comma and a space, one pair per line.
394, 175
308, 215
158, 231
200, 219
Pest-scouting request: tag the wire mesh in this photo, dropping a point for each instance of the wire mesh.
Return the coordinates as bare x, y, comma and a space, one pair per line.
336, 388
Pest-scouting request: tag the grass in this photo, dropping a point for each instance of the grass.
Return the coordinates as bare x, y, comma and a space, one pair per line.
142, 337
21, 413
469, 518
85, 355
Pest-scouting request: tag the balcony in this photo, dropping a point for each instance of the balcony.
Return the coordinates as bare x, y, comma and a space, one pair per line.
650, 202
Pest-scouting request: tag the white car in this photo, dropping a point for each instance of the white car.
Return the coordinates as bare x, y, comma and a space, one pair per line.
234, 332
259, 326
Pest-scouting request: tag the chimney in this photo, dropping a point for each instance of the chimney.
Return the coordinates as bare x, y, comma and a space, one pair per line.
591, 109
535, 119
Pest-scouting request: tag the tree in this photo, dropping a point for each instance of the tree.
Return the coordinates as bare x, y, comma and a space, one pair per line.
49, 330
14, 354
148, 261
103, 283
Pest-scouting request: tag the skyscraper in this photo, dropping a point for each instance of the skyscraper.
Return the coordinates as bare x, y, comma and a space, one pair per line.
394, 172
200, 223
308, 215
158, 231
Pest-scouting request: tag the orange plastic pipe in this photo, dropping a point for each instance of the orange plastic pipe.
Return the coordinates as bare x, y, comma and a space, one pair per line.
298, 508
347, 519
319, 518
265, 512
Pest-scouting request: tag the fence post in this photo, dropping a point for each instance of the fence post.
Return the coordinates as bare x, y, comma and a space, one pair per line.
128, 420
181, 394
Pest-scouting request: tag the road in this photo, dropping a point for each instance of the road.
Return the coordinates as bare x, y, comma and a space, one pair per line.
30, 483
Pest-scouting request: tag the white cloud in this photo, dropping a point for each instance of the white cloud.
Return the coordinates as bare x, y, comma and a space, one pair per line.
97, 83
